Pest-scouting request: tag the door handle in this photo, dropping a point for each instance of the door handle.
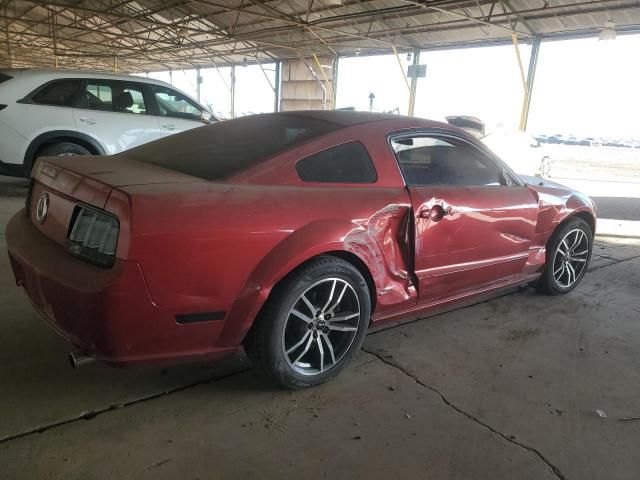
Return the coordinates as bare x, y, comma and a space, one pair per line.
169, 126
88, 121
436, 213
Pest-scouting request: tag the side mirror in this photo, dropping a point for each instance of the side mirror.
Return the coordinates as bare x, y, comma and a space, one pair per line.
205, 117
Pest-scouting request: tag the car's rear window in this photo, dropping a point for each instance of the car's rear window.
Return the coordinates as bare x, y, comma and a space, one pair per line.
4, 77
224, 149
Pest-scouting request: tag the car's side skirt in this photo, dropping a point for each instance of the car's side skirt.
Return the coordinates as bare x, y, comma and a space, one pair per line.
455, 301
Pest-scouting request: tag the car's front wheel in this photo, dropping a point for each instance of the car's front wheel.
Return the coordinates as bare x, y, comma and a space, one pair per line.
312, 325
568, 255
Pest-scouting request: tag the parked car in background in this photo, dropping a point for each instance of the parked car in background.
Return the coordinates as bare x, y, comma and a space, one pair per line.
62, 112
520, 150
288, 233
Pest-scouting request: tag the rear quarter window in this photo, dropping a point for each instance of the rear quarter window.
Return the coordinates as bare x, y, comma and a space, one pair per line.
346, 163
61, 93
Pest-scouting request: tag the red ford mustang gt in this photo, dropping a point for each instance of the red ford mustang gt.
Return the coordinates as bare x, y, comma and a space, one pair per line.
288, 234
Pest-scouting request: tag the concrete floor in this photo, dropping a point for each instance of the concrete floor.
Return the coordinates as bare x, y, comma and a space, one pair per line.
507, 388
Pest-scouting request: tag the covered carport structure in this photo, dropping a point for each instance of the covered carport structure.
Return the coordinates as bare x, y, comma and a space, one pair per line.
304, 37
519, 386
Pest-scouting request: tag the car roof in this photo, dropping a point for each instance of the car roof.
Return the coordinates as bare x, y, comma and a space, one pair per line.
348, 118
64, 73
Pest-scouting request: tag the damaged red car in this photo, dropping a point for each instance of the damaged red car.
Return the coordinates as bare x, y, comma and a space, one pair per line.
288, 234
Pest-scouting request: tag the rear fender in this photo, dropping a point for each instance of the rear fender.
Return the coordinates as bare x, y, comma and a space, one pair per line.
379, 241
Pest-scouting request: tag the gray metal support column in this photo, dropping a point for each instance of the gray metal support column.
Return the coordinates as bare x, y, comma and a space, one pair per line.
233, 91
278, 87
334, 81
198, 82
414, 81
531, 75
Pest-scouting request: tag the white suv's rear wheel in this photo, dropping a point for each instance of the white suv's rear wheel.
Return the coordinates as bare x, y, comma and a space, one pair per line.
62, 149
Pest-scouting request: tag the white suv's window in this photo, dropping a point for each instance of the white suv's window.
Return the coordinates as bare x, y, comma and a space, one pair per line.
60, 93
174, 104
114, 96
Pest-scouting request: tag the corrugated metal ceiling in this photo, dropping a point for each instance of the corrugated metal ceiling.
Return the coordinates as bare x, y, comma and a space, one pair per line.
150, 35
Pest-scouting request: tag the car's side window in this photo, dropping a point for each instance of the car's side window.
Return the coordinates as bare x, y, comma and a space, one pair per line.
346, 163
174, 104
113, 96
432, 160
59, 93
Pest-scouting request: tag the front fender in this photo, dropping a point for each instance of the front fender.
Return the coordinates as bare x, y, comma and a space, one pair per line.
556, 206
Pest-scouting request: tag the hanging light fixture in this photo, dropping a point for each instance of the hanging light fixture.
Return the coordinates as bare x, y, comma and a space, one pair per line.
608, 32
183, 33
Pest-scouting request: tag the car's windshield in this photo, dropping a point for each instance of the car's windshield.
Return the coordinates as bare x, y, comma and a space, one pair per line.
218, 151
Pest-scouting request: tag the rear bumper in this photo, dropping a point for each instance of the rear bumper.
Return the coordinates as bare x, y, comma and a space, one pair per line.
105, 313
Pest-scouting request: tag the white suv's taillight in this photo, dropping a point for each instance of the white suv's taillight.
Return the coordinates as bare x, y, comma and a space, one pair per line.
93, 235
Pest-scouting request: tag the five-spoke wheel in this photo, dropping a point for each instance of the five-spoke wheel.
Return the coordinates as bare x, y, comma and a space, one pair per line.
321, 326
571, 257
312, 324
568, 255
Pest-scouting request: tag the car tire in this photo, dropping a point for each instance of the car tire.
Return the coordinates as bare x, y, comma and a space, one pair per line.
568, 255
332, 308
62, 149
545, 167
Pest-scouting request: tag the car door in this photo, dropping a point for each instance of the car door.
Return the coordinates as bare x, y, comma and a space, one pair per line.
474, 222
115, 112
175, 112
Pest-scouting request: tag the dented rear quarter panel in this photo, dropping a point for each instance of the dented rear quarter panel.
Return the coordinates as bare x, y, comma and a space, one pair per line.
235, 242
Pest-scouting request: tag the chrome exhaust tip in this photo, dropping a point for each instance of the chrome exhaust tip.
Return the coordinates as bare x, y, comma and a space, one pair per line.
77, 359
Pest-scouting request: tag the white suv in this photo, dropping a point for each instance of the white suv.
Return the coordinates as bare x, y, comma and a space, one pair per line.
61, 112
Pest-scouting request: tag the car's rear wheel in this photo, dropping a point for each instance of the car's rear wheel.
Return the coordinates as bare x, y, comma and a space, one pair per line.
568, 255
312, 325
62, 149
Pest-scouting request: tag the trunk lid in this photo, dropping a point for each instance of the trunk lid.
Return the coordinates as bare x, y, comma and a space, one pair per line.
118, 171
64, 182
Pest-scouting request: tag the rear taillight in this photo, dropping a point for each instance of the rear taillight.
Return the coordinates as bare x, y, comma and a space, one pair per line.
93, 236
2, 107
